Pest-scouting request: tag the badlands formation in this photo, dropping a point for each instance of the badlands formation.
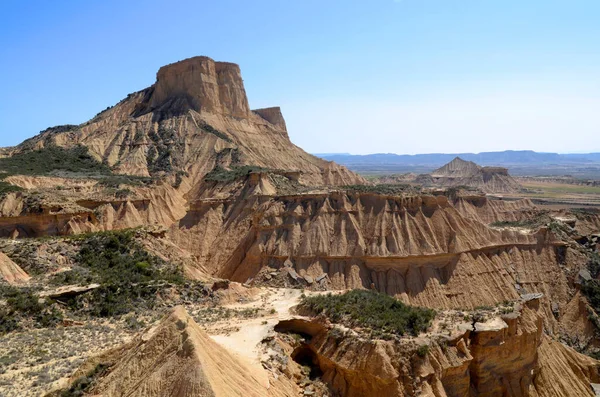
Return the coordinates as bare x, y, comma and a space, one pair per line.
189, 228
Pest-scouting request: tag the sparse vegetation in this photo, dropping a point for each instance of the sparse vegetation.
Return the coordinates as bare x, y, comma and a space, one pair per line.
219, 174
376, 312
525, 223
6, 188
116, 181
129, 276
211, 130
384, 189
52, 159
22, 305
82, 384
591, 288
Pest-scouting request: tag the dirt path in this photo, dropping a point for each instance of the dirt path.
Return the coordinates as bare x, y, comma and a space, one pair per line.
245, 343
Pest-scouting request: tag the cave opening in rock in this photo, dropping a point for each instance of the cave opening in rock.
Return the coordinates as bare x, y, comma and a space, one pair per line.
304, 356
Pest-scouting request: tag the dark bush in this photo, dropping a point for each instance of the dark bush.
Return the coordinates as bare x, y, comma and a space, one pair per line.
377, 312
24, 305
6, 188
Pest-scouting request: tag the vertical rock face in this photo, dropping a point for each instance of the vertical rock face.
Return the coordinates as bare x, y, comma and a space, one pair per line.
210, 86
273, 115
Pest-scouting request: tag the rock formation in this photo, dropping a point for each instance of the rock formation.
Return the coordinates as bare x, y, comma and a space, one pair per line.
195, 117
459, 172
231, 195
11, 272
503, 356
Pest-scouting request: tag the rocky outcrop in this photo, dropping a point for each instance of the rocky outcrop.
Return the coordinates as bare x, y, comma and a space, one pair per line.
487, 210
420, 249
508, 356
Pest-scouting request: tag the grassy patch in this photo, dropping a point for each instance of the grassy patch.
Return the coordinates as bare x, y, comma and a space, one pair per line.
51, 159
379, 313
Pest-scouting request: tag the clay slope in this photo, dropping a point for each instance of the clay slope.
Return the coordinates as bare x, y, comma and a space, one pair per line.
466, 173
11, 272
176, 358
194, 118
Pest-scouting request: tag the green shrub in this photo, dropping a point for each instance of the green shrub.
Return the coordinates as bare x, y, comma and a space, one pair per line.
211, 130
371, 310
422, 350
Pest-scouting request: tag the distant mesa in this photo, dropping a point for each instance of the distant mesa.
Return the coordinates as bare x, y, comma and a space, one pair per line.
459, 172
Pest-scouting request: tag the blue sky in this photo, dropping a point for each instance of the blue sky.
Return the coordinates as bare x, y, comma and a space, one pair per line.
409, 76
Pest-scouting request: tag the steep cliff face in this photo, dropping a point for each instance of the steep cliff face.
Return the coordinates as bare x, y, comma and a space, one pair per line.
195, 117
508, 356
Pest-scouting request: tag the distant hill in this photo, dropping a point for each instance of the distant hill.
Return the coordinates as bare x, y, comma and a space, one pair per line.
457, 168
459, 172
507, 157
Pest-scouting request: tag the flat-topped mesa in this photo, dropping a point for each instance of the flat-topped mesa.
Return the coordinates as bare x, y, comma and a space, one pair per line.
206, 85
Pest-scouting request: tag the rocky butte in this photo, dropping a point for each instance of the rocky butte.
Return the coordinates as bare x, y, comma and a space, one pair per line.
459, 172
204, 231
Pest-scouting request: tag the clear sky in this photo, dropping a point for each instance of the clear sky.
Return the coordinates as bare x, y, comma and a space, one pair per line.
403, 76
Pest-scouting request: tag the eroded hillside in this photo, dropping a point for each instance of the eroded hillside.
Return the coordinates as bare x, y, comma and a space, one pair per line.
182, 195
